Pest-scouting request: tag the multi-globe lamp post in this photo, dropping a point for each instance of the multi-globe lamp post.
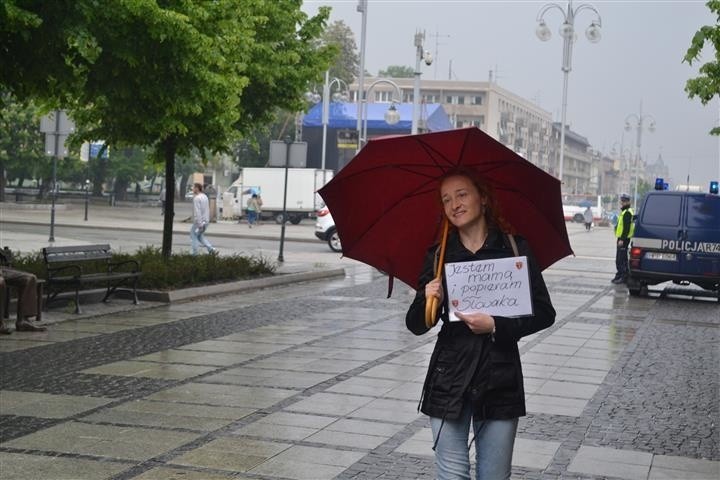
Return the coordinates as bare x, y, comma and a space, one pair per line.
638, 123
567, 32
392, 116
342, 95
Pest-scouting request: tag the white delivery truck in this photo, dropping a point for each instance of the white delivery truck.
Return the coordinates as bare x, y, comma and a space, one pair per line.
268, 183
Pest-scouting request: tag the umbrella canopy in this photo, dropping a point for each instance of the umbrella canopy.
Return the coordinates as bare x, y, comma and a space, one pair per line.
387, 209
585, 203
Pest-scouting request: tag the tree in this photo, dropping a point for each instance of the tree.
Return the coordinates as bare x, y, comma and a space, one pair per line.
196, 74
254, 149
707, 85
347, 60
397, 71
126, 165
22, 148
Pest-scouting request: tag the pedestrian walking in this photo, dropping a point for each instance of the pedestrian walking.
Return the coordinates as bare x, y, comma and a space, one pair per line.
201, 219
161, 197
475, 377
623, 233
588, 218
253, 209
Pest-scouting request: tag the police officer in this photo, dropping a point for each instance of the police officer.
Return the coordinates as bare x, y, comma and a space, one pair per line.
623, 233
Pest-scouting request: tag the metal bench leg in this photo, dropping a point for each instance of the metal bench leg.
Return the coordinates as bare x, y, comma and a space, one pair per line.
39, 294
77, 301
135, 297
109, 292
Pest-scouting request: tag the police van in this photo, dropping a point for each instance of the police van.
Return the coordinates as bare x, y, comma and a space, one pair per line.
677, 238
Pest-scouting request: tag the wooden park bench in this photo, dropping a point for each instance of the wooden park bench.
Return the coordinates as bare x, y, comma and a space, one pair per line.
74, 267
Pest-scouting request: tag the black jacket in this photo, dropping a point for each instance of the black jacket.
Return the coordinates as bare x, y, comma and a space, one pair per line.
482, 369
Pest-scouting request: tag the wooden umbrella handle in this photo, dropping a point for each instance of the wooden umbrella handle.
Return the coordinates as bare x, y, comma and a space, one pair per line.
432, 304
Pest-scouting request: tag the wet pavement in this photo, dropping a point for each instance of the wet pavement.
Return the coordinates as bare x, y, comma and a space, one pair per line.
321, 380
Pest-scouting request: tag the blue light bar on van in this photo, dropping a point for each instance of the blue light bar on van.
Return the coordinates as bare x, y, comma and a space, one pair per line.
659, 184
714, 187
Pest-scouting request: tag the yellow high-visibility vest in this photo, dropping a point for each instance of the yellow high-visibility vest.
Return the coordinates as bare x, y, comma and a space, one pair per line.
619, 226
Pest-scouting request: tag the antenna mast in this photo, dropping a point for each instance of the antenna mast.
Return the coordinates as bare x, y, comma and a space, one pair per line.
437, 35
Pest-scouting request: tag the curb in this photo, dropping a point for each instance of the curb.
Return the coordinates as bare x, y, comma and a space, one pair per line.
195, 293
175, 232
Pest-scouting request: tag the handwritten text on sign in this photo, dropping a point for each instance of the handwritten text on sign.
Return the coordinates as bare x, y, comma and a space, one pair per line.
497, 287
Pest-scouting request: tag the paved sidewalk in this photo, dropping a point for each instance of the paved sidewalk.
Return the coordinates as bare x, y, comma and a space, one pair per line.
321, 380
140, 218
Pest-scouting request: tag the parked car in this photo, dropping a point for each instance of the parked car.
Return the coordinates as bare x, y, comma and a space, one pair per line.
325, 230
677, 238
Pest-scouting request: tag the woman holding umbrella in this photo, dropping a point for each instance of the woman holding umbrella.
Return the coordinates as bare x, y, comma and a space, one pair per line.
474, 377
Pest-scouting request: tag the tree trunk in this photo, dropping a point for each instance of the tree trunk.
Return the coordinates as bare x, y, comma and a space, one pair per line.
99, 177
168, 148
2, 181
120, 189
183, 187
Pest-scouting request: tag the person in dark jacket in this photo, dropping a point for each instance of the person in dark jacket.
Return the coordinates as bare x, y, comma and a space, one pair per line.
474, 376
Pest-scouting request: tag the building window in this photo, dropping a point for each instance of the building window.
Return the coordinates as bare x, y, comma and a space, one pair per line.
384, 97
449, 99
460, 100
476, 100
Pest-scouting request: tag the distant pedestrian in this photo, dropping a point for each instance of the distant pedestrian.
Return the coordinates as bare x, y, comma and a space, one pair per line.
588, 218
162, 200
623, 233
254, 205
201, 219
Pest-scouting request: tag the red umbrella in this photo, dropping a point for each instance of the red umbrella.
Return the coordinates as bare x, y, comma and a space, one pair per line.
386, 204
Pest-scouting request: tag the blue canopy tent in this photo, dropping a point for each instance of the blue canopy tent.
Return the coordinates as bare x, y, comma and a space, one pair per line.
342, 128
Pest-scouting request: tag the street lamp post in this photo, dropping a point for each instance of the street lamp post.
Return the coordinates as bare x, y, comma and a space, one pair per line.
87, 196
288, 143
638, 124
392, 116
427, 57
362, 8
327, 87
567, 31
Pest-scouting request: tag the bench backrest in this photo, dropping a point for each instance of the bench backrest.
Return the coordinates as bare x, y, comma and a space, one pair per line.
77, 253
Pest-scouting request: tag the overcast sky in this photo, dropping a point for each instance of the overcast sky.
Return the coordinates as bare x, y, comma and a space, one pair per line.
639, 59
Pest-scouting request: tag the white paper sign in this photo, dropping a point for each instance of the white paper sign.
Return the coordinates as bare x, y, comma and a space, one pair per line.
497, 287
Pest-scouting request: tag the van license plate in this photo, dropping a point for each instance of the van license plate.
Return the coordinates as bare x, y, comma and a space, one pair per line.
670, 257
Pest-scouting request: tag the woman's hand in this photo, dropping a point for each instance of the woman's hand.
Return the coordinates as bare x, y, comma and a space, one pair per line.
478, 322
434, 289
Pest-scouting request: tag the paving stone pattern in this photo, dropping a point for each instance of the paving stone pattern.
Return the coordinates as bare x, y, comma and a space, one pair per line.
322, 380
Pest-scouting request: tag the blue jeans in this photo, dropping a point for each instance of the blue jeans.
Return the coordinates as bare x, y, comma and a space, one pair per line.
252, 217
197, 236
494, 440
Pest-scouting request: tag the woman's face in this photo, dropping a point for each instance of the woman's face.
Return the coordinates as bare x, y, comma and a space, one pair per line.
461, 201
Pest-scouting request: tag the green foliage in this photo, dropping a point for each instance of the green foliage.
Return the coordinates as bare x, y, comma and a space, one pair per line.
397, 71
177, 76
179, 271
254, 149
707, 85
347, 61
22, 148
